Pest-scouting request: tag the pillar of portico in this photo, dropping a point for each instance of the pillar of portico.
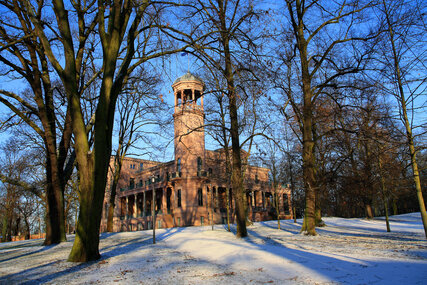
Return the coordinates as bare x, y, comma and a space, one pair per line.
135, 208
216, 198
127, 207
143, 204
263, 199
164, 204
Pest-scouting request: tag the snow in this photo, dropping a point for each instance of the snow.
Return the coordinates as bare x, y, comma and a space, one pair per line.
346, 251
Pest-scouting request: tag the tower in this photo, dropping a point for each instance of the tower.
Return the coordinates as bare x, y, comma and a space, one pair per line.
189, 138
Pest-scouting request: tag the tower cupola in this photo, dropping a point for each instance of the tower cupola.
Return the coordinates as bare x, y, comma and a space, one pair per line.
188, 91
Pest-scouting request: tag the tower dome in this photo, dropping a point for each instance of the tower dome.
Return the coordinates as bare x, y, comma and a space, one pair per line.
189, 77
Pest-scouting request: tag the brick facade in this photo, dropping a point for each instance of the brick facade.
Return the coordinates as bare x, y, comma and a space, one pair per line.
193, 189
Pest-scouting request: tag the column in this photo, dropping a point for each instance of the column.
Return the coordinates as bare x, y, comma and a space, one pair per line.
192, 95
263, 199
127, 207
135, 208
207, 198
173, 199
164, 204
253, 198
143, 204
216, 198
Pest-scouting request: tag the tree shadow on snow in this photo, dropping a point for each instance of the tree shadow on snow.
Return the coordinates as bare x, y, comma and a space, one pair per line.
37, 274
339, 268
26, 253
40, 273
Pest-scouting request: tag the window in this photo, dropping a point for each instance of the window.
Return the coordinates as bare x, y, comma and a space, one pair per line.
202, 220
132, 183
178, 165
200, 196
160, 224
179, 222
141, 166
199, 164
178, 194
168, 200
210, 171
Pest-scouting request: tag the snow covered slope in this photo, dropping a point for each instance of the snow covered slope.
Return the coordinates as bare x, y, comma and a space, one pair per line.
346, 251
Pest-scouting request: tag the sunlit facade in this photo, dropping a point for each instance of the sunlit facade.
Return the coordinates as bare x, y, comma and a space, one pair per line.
194, 188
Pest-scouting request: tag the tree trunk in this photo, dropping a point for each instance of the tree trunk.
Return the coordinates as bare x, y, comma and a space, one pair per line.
368, 211
110, 217
383, 192
308, 158
409, 136
112, 204
55, 219
228, 208
27, 229
85, 246
277, 209
394, 205
318, 210
295, 214
237, 174
5, 233
236, 177
93, 176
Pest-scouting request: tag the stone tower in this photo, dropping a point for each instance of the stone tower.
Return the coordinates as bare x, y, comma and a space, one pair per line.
189, 139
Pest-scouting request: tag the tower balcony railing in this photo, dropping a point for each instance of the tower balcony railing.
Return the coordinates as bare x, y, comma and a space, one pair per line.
189, 107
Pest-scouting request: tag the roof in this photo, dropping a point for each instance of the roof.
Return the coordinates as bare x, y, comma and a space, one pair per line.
189, 77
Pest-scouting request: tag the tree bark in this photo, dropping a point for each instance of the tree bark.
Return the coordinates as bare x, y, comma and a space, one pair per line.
237, 174
307, 124
383, 192
112, 202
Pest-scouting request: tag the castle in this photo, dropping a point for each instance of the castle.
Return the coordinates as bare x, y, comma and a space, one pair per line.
194, 188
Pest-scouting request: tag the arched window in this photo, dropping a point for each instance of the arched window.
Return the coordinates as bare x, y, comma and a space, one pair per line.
178, 165
199, 164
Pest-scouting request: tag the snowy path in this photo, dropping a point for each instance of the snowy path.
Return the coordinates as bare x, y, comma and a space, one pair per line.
347, 251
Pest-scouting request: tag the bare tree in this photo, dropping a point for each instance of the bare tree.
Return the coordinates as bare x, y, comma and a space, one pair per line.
403, 56
23, 57
319, 32
137, 109
17, 202
220, 38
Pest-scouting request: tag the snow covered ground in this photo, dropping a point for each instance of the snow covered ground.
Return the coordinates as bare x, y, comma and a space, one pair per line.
346, 251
